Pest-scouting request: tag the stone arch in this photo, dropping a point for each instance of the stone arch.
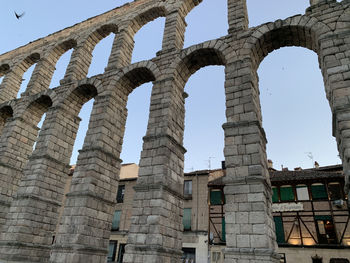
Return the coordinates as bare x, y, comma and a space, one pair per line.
343, 21
214, 52
5, 113
302, 31
37, 107
13, 79
82, 55
4, 68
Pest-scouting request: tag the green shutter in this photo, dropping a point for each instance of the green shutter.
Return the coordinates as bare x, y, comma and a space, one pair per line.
186, 220
287, 193
215, 198
274, 195
319, 192
223, 227
116, 220
279, 229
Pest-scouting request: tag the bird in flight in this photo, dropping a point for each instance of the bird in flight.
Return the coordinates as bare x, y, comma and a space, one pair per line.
18, 16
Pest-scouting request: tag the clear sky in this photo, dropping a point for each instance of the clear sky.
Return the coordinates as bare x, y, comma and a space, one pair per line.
296, 114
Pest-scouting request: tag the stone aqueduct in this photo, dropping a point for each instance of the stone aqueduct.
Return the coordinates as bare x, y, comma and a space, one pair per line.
31, 188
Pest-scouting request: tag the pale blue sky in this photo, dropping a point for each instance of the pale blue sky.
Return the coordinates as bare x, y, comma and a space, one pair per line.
296, 115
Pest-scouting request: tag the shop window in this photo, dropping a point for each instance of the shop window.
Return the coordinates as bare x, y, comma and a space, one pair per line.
325, 230
279, 229
302, 193
287, 193
275, 194
120, 194
188, 188
111, 250
187, 219
335, 191
216, 197
116, 220
121, 253
319, 192
189, 255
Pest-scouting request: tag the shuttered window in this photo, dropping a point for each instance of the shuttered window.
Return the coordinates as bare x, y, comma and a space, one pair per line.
319, 192
274, 194
279, 229
287, 193
216, 197
223, 229
186, 220
116, 220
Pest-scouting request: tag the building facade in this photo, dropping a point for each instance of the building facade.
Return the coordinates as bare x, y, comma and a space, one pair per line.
310, 212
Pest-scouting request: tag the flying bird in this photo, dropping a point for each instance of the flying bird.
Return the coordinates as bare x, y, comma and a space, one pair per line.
19, 16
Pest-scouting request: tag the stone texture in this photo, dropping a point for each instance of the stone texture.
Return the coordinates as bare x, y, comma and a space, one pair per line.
32, 182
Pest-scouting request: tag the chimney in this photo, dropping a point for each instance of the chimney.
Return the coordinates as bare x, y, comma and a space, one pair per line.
316, 165
285, 169
298, 169
269, 164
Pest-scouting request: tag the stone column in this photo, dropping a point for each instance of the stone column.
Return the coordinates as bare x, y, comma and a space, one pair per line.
41, 77
85, 227
10, 85
34, 211
155, 234
174, 31
122, 49
79, 63
237, 15
250, 232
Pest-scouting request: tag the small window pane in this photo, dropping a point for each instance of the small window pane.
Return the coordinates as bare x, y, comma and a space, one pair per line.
120, 194
287, 193
216, 197
188, 187
187, 218
116, 220
111, 251
274, 194
319, 191
302, 192
335, 191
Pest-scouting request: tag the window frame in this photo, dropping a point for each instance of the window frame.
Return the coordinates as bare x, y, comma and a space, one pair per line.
120, 194
113, 227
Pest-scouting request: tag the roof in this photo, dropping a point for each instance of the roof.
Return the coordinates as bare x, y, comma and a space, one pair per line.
312, 174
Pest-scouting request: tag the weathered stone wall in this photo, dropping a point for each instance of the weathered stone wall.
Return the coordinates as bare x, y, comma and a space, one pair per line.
32, 183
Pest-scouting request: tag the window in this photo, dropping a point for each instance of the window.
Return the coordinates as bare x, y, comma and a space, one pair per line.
325, 229
111, 250
120, 194
116, 220
287, 193
121, 253
216, 197
335, 191
188, 188
279, 229
275, 194
302, 193
189, 255
319, 192
187, 219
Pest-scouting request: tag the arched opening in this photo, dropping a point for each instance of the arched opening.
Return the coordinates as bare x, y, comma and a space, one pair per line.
4, 68
206, 21
148, 40
99, 45
25, 80
100, 55
260, 12
5, 113
205, 114
296, 114
136, 124
60, 67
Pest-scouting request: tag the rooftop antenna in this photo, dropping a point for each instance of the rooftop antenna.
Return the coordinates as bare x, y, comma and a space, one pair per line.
309, 154
209, 162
